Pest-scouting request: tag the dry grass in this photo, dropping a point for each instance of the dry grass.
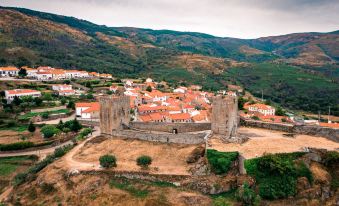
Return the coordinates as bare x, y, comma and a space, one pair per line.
267, 141
167, 158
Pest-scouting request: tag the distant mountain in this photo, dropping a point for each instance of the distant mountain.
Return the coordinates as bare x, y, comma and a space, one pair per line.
35, 38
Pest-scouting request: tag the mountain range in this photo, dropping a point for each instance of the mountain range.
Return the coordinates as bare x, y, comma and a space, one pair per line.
298, 71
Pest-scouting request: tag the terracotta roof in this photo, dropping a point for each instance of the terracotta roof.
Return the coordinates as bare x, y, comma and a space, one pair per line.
85, 104
21, 91
94, 108
333, 125
9, 69
261, 106
67, 91
181, 116
143, 108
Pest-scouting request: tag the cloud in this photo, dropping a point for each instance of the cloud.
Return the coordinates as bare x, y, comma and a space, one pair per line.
233, 18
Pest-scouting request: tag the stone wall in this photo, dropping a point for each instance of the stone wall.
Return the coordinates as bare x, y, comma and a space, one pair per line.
329, 133
168, 127
114, 112
181, 138
224, 116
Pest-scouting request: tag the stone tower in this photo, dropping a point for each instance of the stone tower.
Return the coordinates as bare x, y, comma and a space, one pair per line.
114, 113
224, 119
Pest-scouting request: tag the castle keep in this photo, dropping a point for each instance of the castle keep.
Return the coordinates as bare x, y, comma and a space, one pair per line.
224, 116
114, 113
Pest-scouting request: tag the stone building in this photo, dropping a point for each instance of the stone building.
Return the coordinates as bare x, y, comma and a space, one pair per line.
224, 121
114, 113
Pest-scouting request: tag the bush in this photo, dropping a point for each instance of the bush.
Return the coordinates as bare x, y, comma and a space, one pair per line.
61, 151
45, 115
247, 196
31, 127
144, 161
49, 131
108, 161
221, 161
277, 187
274, 164
83, 134
16, 146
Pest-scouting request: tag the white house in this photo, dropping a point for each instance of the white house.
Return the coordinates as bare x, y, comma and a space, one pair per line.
60, 87
72, 74
10, 94
9, 71
44, 75
149, 80
87, 110
261, 109
31, 72
180, 90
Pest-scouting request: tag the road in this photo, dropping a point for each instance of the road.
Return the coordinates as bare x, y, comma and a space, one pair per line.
44, 152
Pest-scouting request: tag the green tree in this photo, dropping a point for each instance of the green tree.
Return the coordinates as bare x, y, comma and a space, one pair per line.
89, 96
144, 161
49, 131
38, 101
280, 112
22, 72
149, 89
60, 125
45, 115
109, 92
31, 127
17, 101
75, 125
71, 105
63, 101
47, 96
108, 161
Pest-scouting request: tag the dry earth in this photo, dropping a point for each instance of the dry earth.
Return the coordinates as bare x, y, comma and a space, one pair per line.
268, 141
9, 136
167, 158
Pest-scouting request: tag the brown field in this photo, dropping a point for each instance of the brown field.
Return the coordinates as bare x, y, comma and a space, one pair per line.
167, 158
268, 141
9, 136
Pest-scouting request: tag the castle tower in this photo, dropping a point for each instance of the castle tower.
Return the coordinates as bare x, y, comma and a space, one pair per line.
224, 119
114, 113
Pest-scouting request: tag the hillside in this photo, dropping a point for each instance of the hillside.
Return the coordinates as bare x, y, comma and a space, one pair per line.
35, 38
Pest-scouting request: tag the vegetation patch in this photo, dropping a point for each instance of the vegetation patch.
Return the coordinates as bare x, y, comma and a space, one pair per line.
277, 174
221, 162
29, 115
124, 184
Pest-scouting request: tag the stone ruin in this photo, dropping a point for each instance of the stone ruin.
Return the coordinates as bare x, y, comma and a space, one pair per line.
114, 113
225, 119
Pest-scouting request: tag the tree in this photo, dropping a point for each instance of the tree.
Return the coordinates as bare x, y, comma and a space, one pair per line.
49, 131
280, 112
60, 125
47, 96
108, 161
144, 161
37, 101
22, 72
45, 115
241, 102
75, 125
31, 127
89, 96
17, 101
247, 195
149, 89
63, 101
71, 105
109, 92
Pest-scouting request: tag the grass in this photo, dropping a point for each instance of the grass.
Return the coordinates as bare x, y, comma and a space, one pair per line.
124, 184
16, 128
8, 165
33, 114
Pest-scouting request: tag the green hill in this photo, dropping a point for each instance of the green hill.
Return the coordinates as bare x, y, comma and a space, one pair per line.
35, 38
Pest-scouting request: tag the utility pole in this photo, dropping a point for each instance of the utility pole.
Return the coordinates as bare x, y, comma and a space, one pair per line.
262, 95
318, 115
329, 112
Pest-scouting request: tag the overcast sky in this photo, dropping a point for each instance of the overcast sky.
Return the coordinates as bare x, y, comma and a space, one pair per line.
226, 18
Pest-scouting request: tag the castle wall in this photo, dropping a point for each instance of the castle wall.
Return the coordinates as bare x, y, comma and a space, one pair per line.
114, 112
168, 127
186, 138
329, 133
224, 116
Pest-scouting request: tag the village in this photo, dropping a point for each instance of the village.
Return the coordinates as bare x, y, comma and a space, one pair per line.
198, 141
150, 101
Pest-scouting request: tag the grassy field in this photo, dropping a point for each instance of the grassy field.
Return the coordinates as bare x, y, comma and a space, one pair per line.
33, 114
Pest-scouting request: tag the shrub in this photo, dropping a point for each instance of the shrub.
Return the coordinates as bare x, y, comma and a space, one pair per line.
16, 146
221, 201
61, 151
45, 115
247, 195
221, 161
31, 127
277, 187
49, 131
331, 158
274, 164
108, 161
144, 161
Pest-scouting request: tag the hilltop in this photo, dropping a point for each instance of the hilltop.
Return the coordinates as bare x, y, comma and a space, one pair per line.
309, 61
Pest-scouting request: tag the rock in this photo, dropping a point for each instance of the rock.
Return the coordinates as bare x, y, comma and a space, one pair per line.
315, 157
201, 168
302, 184
212, 184
320, 175
244, 178
196, 154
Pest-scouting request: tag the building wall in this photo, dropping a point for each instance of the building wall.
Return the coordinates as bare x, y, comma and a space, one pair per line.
168, 127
